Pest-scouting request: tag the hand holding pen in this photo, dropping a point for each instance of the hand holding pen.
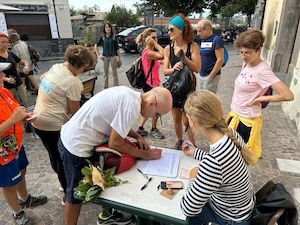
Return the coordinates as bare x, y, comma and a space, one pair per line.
188, 148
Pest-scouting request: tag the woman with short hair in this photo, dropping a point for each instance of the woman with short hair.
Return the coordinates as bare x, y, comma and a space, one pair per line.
58, 99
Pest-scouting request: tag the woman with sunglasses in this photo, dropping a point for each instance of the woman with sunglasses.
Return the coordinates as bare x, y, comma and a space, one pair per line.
152, 53
182, 37
250, 86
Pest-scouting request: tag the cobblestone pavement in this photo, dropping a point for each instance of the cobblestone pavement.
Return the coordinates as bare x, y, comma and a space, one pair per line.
279, 139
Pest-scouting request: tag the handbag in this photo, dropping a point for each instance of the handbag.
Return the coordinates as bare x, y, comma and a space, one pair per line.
113, 158
182, 82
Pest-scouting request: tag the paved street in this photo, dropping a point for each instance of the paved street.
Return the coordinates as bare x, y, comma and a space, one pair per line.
279, 139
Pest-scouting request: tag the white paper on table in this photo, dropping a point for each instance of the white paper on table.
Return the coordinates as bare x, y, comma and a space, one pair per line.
166, 166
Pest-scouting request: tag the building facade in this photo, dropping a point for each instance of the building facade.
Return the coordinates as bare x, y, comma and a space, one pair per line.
46, 22
280, 23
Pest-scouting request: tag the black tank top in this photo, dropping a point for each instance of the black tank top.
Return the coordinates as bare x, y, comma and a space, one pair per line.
174, 59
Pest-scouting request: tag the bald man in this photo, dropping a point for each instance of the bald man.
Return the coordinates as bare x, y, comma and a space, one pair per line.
212, 56
107, 118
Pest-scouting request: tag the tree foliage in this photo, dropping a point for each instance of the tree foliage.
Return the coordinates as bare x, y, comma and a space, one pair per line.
122, 17
172, 7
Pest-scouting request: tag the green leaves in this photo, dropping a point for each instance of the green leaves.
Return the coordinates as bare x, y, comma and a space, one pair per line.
88, 190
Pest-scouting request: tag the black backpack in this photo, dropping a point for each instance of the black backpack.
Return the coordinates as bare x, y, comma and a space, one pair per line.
136, 76
34, 55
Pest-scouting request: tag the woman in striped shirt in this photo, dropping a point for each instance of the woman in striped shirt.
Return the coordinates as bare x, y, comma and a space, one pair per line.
220, 190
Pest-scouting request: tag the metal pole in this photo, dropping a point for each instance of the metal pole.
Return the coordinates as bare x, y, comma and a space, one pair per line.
60, 48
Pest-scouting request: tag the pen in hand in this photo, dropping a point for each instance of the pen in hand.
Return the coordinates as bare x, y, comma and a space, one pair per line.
145, 185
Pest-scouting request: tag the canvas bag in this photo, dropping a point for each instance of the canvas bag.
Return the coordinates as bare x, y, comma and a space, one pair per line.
136, 76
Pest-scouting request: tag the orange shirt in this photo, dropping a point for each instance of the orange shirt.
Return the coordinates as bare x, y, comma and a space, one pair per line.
7, 106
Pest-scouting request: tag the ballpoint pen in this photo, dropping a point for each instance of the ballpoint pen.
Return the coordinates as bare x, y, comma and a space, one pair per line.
145, 185
144, 175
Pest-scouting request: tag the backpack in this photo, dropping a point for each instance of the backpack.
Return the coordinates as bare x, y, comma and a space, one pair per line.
136, 76
34, 55
226, 55
268, 92
182, 82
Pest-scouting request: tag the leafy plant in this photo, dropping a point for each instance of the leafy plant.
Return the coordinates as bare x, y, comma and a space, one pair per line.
95, 181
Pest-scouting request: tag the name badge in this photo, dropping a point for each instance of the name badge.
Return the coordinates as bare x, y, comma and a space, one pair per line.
206, 44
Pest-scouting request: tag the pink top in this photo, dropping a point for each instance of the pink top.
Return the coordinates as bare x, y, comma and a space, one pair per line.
155, 69
251, 83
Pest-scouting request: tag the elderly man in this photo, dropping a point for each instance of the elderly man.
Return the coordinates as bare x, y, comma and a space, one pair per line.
212, 56
107, 118
20, 49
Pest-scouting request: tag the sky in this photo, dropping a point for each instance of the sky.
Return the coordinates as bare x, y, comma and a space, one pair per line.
105, 5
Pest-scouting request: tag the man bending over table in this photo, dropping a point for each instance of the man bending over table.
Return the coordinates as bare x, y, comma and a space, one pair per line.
107, 118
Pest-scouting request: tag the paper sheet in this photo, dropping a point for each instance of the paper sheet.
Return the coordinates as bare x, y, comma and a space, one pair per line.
166, 166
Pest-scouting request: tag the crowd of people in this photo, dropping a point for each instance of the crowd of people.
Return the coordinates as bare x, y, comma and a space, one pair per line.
70, 132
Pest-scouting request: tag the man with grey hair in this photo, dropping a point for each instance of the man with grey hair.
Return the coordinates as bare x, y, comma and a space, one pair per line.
212, 56
20, 49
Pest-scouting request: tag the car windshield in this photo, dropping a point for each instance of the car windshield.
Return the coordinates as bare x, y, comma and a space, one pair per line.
131, 29
126, 32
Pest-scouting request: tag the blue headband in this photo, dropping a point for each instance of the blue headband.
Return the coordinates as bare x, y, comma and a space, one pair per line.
178, 22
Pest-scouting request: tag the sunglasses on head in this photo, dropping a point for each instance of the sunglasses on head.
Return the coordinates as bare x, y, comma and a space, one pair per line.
171, 29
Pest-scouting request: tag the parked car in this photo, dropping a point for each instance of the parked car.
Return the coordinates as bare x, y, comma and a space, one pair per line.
127, 38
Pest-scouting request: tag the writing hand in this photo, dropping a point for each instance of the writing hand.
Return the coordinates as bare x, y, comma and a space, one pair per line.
188, 148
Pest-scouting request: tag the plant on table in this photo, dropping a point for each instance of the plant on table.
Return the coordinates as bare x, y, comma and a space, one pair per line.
95, 181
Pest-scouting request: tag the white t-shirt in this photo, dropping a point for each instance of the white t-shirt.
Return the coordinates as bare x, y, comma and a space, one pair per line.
115, 108
57, 86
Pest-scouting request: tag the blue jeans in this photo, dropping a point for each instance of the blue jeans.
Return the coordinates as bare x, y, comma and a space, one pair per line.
208, 215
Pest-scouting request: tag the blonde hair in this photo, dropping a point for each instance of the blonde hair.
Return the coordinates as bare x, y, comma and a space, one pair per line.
205, 109
140, 39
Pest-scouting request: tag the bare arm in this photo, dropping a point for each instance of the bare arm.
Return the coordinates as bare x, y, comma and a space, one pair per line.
18, 114
219, 52
166, 68
194, 63
73, 106
283, 94
154, 55
26, 69
116, 142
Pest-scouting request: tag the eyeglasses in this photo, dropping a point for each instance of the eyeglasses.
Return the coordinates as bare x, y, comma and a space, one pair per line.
157, 115
154, 37
246, 53
199, 31
171, 30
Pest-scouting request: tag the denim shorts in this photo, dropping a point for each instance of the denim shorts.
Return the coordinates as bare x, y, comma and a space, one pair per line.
11, 172
72, 166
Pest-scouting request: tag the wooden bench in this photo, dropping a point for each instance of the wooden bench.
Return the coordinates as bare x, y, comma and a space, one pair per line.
88, 87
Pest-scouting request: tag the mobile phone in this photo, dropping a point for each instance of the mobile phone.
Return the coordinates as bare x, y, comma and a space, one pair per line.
171, 184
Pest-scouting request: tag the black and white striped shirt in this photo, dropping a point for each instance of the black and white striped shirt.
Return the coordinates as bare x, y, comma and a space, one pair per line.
223, 180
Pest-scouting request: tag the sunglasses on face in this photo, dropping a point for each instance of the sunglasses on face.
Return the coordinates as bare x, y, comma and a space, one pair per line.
171, 30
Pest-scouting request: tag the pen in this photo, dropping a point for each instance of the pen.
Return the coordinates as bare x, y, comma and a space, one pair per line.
144, 175
145, 185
